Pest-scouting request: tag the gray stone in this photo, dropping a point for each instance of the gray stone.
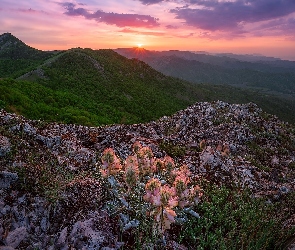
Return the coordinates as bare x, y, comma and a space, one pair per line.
284, 190
7, 178
5, 210
62, 240
86, 230
27, 128
16, 236
44, 224
2, 204
22, 199
1, 229
6, 248
5, 145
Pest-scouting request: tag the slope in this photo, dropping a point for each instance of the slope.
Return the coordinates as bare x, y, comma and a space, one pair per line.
95, 87
17, 58
53, 193
275, 76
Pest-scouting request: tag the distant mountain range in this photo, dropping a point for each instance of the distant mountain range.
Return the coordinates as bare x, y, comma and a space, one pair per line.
266, 74
96, 87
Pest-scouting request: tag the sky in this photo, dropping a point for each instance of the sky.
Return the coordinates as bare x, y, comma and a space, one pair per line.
264, 27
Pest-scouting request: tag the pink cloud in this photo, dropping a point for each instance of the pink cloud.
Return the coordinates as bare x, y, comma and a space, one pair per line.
31, 11
149, 33
171, 27
186, 36
120, 20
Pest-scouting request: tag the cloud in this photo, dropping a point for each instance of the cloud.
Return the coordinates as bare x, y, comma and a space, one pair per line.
225, 16
171, 27
186, 36
149, 2
120, 20
149, 33
32, 11
279, 27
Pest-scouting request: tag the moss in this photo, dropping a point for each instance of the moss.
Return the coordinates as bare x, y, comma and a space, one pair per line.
172, 149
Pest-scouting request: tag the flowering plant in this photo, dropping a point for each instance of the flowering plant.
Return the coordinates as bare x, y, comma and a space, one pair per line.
156, 185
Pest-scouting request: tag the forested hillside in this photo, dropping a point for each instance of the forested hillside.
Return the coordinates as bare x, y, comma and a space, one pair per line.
17, 58
268, 76
96, 87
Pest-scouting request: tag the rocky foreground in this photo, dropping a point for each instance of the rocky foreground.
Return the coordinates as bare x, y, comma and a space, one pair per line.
228, 144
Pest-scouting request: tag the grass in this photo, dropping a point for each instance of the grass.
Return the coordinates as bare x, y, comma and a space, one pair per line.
232, 219
173, 150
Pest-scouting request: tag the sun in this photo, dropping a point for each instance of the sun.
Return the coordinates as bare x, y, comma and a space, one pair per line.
139, 45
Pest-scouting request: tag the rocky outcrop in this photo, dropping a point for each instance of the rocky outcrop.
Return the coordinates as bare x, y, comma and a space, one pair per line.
241, 146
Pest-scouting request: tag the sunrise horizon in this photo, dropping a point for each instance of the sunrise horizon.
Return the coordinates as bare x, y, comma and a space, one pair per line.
265, 27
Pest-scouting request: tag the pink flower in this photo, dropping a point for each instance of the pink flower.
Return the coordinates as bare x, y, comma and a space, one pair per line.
110, 163
156, 200
173, 202
131, 171
180, 183
152, 188
108, 156
158, 165
145, 164
169, 163
170, 214
185, 170
136, 147
165, 218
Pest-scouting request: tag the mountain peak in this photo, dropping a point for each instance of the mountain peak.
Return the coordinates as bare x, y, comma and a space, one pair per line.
13, 48
9, 40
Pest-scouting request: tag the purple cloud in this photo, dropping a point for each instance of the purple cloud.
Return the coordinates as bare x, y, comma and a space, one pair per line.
149, 2
213, 15
32, 11
120, 20
278, 27
171, 27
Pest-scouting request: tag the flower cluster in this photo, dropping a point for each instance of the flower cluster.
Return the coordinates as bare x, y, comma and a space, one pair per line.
163, 200
166, 188
110, 163
131, 171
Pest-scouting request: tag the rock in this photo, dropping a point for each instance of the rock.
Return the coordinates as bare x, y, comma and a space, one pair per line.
84, 231
6, 248
7, 178
284, 190
44, 224
28, 129
1, 229
15, 237
5, 210
255, 149
62, 240
5, 146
